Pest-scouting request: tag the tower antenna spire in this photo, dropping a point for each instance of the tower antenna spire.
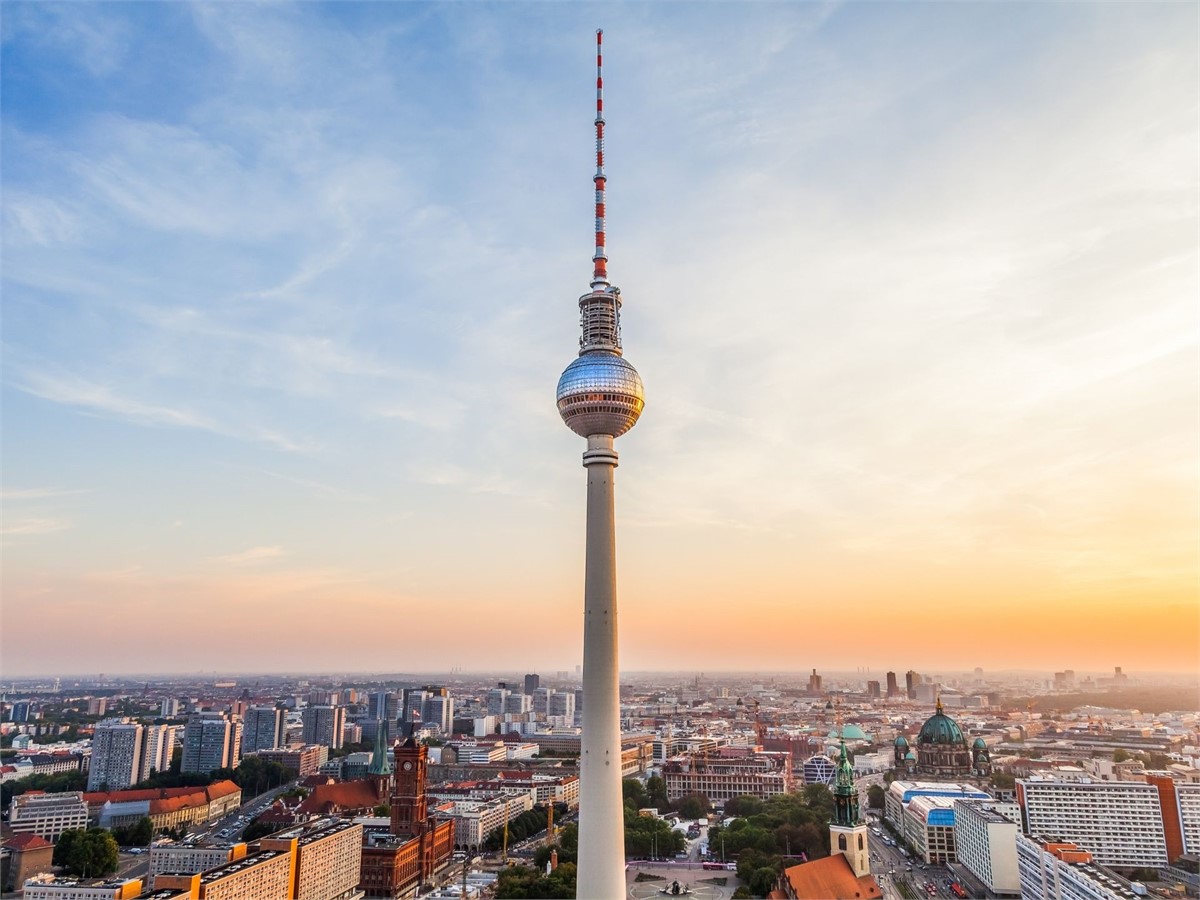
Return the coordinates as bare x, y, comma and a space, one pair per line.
600, 258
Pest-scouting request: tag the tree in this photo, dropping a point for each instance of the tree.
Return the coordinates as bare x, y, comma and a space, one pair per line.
1003, 781
746, 805
694, 806
635, 792
383, 809
90, 853
139, 834
762, 880
656, 792
875, 797
1120, 755
522, 881
258, 829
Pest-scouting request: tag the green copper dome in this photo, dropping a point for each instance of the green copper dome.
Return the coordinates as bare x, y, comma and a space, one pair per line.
980, 744
901, 741
850, 732
940, 729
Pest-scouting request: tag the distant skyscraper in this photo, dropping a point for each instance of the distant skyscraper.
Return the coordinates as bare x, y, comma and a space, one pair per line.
262, 729
893, 687
600, 397
911, 680
324, 725
19, 711
169, 708
532, 682
814, 683
117, 749
873, 690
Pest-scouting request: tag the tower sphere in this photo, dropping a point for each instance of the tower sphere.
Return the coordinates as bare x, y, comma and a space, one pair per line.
600, 393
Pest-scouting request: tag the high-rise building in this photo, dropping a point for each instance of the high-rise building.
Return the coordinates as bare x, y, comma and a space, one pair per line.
383, 705
541, 700
495, 701
1053, 869
516, 704
911, 681
562, 704
985, 835
873, 690
97, 706
814, 683
893, 688
160, 743
600, 397
19, 712
210, 741
440, 712
532, 682
117, 749
262, 729
169, 709
324, 725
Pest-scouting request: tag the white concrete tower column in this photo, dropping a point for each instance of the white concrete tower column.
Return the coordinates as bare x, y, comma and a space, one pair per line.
601, 809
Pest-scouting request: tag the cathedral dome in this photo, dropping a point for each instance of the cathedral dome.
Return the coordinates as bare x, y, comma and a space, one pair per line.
980, 744
849, 732
940, 729
901, 741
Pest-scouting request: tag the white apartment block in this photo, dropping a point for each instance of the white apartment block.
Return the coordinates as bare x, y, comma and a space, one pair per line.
117, 749
562, 705
210, 741
48, 815
1187, 798
324, 725
160, 745
1050, 870
986, 843
177, 859
1118, 823
47, 887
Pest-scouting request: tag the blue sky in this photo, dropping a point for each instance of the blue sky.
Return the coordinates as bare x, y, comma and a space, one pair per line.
287, 289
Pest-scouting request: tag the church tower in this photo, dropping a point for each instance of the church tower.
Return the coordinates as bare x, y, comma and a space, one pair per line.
847, 830
380, 770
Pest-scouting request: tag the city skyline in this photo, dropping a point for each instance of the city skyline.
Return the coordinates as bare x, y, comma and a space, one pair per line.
286, 290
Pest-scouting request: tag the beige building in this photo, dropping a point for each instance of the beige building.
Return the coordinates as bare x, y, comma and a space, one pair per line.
266, 875
47, 815
328, 859
730, 772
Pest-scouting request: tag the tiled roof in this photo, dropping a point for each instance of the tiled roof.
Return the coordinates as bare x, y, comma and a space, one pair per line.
27, 841
830, 878
342, 797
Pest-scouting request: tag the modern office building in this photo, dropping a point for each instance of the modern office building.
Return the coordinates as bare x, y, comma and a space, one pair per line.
893, 687
118, 746
532, 682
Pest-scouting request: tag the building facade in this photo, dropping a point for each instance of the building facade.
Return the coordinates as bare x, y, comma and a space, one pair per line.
211, 740
47, 815
262, 729
324, 725
986, 842
117, 749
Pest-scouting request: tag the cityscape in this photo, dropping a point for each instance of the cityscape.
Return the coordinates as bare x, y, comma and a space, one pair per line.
900, 594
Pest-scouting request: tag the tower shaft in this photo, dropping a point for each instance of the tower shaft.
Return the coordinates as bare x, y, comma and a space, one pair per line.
601, 812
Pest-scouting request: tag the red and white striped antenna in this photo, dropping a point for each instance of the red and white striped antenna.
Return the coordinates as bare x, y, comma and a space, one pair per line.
600, 259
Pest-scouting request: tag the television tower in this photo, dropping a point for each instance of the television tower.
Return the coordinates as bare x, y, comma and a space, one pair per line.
600, 398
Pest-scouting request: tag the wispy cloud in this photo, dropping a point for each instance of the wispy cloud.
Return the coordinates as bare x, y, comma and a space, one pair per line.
14, 527
251, 556
39, 493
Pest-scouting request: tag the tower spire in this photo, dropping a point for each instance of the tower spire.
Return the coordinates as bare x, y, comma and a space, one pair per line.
600, 258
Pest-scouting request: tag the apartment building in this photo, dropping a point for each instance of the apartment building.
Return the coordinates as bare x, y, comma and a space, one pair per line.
211, 740
1061, 870
117, 750
262, 729
986, 844
160, 741
328, 859
324, 725
178, 859
1118, 823
304, 761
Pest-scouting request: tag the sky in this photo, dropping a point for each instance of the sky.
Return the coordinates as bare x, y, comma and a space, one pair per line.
287, 289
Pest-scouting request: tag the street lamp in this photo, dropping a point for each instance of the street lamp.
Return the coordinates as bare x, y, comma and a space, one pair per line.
467, 863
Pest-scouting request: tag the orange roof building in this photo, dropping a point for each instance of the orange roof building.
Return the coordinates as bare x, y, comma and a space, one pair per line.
830, 878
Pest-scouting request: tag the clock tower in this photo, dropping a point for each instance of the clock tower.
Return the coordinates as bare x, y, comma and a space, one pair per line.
847, 831
408, 794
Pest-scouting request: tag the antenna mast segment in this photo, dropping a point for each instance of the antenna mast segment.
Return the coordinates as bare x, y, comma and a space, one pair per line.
600, 272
